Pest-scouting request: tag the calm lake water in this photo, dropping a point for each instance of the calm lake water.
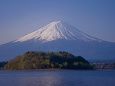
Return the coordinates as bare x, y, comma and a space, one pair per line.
57, 78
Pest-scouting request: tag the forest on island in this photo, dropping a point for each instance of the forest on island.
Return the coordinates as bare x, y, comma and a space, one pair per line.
46, 60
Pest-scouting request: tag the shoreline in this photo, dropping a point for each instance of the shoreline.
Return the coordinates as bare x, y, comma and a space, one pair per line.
48, 70
57, 70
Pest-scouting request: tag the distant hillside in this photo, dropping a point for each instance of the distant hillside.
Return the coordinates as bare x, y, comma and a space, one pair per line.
46, 60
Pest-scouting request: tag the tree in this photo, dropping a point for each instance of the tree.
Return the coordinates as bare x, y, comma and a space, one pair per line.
75, 63
52, 65
65, 64
60, 65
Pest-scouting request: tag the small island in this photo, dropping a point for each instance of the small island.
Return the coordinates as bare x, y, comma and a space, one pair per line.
47, 60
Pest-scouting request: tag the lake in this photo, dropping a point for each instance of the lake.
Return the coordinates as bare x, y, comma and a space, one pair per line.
58, 78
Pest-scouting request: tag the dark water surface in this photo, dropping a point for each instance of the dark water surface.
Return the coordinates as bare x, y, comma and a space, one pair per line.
57, 78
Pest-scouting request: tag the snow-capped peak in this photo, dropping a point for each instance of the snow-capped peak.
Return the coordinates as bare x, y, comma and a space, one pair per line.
57, 30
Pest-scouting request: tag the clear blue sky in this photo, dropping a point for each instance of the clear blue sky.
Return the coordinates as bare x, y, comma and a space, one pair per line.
21, 17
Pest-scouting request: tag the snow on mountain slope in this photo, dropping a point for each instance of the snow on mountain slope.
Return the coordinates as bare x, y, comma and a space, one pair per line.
57, 30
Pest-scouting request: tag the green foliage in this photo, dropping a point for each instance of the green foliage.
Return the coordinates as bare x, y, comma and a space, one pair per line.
52, 65
43, 60
65, 64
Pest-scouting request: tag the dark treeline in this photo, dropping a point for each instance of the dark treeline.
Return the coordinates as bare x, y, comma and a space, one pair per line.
46, 60
2, 64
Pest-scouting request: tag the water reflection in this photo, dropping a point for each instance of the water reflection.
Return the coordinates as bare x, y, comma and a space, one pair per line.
41, 78
49, 78
57, 78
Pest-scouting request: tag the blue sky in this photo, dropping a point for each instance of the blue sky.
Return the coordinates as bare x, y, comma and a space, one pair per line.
21, 17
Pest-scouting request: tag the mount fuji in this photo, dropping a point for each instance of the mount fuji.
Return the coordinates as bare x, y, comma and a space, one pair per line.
59, 36
57, 30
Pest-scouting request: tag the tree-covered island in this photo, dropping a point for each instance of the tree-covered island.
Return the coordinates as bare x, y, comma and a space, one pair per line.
47, 60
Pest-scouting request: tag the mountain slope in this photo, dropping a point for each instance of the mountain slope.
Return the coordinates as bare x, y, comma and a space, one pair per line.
59, 36
57, 30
